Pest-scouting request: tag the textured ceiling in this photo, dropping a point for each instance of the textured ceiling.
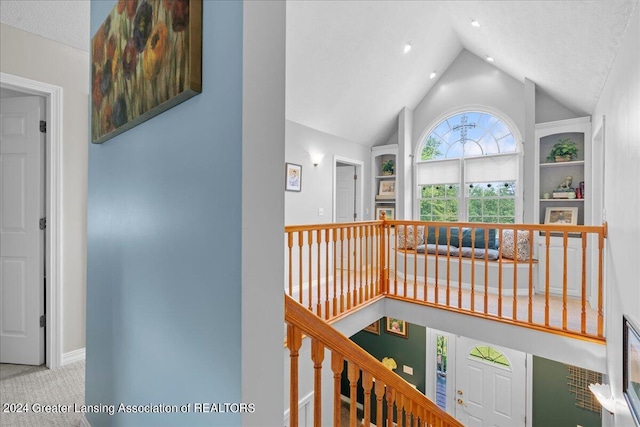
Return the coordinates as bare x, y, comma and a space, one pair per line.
347, 75
61, 20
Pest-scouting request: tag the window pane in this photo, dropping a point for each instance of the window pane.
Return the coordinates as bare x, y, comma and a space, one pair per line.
489, 355
441, 371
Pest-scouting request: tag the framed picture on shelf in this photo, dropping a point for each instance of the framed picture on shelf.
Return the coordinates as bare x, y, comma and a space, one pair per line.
631, 366
397, 327
389, 213
561, 215
293, 177
374, 328
387, 188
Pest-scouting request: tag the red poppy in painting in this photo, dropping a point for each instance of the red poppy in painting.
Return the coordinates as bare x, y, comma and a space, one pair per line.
98, 46
131, 6
180, 15
129, 59
154, 51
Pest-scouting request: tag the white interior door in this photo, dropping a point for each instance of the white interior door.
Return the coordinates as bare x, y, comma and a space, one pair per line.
490, 385
346, 194
22, 204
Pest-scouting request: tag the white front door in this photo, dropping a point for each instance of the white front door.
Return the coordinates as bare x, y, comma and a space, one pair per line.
345, 194
490, 385
22, 204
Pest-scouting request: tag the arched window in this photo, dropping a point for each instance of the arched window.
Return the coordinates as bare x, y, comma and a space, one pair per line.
468, 169
489, 355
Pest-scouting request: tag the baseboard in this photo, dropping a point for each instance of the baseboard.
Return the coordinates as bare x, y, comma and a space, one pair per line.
84, 422
73, 356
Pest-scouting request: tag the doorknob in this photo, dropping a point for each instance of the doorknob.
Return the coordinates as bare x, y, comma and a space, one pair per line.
461, 402
460, 392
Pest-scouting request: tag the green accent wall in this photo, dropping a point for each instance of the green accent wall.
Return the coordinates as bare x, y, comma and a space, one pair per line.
410, 351
553, 403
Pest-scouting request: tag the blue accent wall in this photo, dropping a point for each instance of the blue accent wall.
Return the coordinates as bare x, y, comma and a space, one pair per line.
164, 247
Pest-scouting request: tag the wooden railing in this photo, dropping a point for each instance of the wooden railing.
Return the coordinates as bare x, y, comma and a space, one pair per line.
404, 405
553, 280
334, 268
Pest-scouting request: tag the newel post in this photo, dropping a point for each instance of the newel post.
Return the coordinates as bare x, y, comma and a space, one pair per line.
384, 268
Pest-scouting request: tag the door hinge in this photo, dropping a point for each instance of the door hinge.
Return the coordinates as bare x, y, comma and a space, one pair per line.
43, 223
43, 321
355, 177
43, 126
355, 216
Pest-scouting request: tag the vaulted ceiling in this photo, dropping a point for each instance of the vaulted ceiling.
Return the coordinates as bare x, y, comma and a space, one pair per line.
347, 74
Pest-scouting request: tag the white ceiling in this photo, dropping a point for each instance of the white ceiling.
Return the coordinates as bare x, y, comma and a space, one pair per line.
347, 75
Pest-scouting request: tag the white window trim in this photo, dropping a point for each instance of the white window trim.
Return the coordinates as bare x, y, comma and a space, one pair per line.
462, 204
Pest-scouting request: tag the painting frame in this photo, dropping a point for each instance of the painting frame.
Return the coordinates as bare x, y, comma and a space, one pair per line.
292, 177
631, 366
557, 215
145, 59
397, 327
387, 188
390, 212
373, 328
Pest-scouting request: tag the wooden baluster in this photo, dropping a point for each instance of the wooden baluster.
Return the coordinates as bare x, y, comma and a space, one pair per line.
337, 366
326, 275
300, 264
319, 293
391, 394
460, 271
583, 317
290, 245
448, 266
349, 290
404, 276
437, 231
368, 290
415, 262
500, 285
601, 236
426, 262
565, 243
362, 293
472, 303
367, 384
335, 272
294, 341
379, 391
515, 274
547, 235
341, 270
383, 267
317, 355
353, 374
530, 276
310, 247
486, 279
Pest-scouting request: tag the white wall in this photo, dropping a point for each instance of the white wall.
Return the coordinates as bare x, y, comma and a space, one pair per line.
317, 182
620, 104
30, 56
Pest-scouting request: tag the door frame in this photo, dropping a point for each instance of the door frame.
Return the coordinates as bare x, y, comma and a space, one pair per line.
359, 189
53, 141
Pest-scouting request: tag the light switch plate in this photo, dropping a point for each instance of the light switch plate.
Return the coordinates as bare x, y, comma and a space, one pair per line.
407, 369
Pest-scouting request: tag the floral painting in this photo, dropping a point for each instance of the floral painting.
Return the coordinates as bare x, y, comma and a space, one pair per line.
145, 59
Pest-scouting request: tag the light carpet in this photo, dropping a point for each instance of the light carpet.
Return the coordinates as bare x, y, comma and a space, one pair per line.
34, 389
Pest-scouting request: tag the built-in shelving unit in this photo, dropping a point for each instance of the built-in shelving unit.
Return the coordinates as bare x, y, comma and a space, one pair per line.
383, 199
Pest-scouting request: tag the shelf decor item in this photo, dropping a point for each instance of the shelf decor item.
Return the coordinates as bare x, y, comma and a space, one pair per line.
564, 150
389, 213
374, 328
144, 61
387, 188
293, 177
388, 168
561, 215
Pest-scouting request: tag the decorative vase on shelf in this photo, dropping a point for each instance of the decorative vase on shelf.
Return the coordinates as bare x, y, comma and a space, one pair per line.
563, 159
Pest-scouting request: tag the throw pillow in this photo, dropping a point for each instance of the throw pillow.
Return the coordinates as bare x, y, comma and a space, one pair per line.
406, 238
508, 245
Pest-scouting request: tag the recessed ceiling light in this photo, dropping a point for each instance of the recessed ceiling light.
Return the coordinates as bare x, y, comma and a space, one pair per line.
475, 23
432, 75
407, 47
490, 59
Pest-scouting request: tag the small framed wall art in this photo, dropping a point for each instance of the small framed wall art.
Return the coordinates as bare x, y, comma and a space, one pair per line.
374, 328
293, 177
389, 213
397, 327
561, 215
